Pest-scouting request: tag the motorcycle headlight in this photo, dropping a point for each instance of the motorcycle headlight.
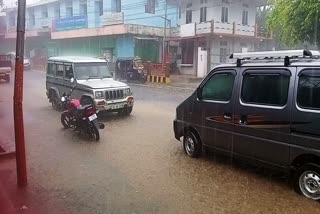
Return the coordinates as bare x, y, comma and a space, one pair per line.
99, 94
127, 92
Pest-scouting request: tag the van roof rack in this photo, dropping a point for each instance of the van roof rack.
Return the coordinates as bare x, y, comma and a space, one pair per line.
270, 55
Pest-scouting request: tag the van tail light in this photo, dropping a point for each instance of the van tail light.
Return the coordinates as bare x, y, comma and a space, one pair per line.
90, 111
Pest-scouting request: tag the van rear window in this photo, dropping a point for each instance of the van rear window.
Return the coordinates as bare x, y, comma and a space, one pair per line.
308, 95
265, 89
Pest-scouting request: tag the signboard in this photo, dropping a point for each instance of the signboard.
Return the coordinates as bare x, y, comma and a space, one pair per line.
70, 23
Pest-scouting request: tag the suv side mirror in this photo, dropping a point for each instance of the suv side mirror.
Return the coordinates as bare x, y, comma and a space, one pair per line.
199, 93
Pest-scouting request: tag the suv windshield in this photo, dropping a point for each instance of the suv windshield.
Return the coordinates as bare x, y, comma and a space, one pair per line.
84, 71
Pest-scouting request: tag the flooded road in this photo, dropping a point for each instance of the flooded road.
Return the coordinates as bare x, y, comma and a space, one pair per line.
138, 166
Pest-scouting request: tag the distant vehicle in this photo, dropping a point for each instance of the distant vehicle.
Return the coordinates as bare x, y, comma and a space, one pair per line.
130, 69
26, 61
264, 110
5, 67
26, 64
95, 84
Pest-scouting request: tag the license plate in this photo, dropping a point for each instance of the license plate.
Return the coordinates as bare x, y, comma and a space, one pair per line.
93, 117
116, 106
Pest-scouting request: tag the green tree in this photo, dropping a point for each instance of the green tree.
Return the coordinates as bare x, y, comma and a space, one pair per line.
295, 21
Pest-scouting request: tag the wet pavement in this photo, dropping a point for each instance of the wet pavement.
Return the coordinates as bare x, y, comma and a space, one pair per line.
138, 166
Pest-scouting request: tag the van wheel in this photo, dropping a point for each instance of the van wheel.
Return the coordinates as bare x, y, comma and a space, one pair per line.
191, 145
307, 181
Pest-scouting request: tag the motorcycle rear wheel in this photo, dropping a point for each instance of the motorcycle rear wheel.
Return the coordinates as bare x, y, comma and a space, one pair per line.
94, 133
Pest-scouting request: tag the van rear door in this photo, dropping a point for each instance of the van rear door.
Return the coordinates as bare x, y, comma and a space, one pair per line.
262, 124
306, 112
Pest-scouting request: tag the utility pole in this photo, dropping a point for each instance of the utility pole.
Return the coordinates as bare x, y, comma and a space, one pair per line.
164, 33
18, 97
316, 29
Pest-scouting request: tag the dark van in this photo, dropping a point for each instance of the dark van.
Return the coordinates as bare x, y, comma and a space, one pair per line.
264, 109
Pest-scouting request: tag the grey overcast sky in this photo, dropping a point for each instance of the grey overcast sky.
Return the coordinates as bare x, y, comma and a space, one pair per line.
12, 2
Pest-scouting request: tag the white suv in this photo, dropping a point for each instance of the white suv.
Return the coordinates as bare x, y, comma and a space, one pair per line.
93, 84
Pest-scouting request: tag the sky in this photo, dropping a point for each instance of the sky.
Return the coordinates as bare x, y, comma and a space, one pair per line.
12, 2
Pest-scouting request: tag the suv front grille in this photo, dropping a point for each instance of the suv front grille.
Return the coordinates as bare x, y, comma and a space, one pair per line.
114, 95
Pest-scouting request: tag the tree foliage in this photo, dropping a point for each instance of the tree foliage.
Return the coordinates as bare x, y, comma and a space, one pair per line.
295, 21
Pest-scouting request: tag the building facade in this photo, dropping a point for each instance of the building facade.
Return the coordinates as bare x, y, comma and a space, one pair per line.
210, 30
112, 28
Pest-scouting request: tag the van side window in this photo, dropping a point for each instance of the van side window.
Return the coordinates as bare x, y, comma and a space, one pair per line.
59, 72
219, 87
51, 70
69, 72
308, 95
265, 89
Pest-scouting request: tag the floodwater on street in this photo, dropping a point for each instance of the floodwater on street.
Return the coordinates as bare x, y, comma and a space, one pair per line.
138, 166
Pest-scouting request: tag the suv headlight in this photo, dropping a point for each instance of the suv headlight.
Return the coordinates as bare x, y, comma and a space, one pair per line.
127, 92
99, 95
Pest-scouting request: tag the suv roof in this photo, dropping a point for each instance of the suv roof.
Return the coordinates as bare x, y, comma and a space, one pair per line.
73, 59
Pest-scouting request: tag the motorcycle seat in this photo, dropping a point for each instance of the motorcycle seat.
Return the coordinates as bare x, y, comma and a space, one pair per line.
83, 107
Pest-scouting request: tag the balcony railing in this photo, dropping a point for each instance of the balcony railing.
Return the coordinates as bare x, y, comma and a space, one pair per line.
214, 27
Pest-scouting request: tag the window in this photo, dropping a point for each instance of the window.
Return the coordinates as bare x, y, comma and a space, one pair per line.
309, 92
69, 71
219, 87
83, 7
225, 15
69, 9
99, 8
57, 11
59, 72
187, 50
223, 55
44, 12
12, 20
189, 16
204, 1
203, 14
51, 69
265, 89
118, 6
32, 19
245, 17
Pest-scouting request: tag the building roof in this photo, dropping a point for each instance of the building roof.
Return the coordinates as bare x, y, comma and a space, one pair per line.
73, 59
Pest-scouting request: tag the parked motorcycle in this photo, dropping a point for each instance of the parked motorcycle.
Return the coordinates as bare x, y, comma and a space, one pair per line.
82, 118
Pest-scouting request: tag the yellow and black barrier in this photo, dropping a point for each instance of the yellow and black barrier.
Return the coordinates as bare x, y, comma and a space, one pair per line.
158, 79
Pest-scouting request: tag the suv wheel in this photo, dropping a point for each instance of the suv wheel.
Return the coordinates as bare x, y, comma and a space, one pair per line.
307, 181
55, 102
191, 145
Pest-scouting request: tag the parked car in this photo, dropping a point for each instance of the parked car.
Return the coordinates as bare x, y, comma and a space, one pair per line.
5, 67
26, 64
264, 109
94, 81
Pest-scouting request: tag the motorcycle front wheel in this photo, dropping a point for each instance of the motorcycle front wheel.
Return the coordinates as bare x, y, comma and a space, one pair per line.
65, 120
94, 133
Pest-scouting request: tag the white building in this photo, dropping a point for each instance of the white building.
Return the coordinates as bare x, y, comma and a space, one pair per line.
210, 30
